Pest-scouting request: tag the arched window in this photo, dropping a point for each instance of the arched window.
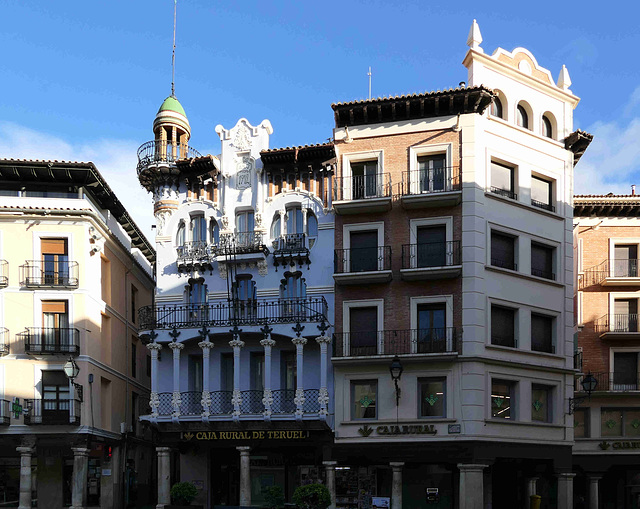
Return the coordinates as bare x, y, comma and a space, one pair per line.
312, 228
214, 231
276, 227
244, 296
293, 288
180, 236
547, 127
295, 223
522, 117
198, 228
496, 108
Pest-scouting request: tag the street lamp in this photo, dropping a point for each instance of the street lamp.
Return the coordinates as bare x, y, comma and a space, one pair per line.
589, 384
71, 369
396, 369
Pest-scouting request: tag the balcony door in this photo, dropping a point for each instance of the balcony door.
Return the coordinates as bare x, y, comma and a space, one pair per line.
431, 334
55, 262
363, 331
244, 297
198, 229
625, 262
625, 315
625, 371
55, 396
56, 336
197, 297
364, 180
432, 173
431, 246
245, 225
363, 252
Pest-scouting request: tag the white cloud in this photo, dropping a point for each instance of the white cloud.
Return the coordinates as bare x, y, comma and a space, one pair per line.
115, 159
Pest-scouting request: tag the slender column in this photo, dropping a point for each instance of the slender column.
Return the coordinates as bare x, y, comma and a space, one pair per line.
25, 476
80, 471
330, 475
304, 221
323, 393
283, 222
206, 346
154, 403
471, 486
532, 487
267, 399
163, 144
236, 398
175, 398
299, 397
396, 484
594, 495
164, 472
565, 490
174, 140
245, 476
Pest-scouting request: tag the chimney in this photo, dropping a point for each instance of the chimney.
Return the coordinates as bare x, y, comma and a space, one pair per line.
633, 190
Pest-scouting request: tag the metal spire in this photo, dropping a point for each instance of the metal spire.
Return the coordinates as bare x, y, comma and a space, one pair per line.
173, 56
369, 74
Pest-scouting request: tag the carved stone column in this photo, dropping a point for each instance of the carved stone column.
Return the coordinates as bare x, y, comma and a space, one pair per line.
25, 476
236, 398
206, 346
299, 397
80, 471
565, 490
164, 474
268, 344
245, 476
154, 348
175, 398
323, 393
283, 222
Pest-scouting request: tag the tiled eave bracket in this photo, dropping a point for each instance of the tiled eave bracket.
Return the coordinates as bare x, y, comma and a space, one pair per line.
298, 159
416, 106
606, 206
198, 168
577, 142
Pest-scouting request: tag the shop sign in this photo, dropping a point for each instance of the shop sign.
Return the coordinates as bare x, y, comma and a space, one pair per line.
618, 446
417, 429
246, 435
16, 408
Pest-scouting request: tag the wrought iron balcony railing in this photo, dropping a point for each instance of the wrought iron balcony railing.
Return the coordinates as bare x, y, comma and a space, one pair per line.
196, 250
283, 402
227, 313
432, 254
42, 273
157, 151
242, 243
612, 382
49, 340
507, 193
4, 341
5, 411
546, 274
362, 187
617, 322
290, 243
503, 259
436, 180
4, 273
52, 411
362, 259
395, 342
611, 268
543, 205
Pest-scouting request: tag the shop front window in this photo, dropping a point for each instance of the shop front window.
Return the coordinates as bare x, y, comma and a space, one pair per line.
364, 396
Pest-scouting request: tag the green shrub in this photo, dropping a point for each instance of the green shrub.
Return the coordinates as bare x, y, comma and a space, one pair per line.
274, 497
183, 493
312, 496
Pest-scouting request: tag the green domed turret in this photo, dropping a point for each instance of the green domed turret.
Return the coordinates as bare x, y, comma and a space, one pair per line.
170, 114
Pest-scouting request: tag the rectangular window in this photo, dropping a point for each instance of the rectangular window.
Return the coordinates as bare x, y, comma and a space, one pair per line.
542, 261
503, 399
503, 251
503, 322
432, 328
431, 246
625, 315
256, 374
625, 371
363, 330
365, 180
625, 263
55, 262
288, 372
541, 403
432, 173
581, 423
503, 180
226, 371
364, 396
55, 393
134, 304
134, 361
542, 333
363, 251
432, 393
542, 193
195, 373
105, 279
620, 422
56, 334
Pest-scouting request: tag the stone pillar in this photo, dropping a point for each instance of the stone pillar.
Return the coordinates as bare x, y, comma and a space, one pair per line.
283, 217
594, 494
330, 474
245, 476
236, 397
471, 486
206, 393
267, 399
80, 471
532, 487
175, 398
396, 484
164, 473
154, 402
299, 397
174, 140
25, 476
565, 490
304, 219
323, 393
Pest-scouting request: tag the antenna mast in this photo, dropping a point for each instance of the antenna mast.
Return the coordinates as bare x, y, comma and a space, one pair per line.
369, 74
173, 56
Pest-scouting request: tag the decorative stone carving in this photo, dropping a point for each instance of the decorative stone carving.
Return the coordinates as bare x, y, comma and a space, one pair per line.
258, 220
244, 167
263, 269
206, 404
268, 342
224, 221
299, 402
222, 270
236, 401
323, 399
162, 218
267, 401
176, 400
299, 341
154, 403
236, 343
242, 140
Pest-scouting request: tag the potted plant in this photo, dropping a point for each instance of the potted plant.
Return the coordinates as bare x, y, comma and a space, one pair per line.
274, 497
182, 494
312, 496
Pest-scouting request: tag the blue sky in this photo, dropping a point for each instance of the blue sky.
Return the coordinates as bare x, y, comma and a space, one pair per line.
83, 80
